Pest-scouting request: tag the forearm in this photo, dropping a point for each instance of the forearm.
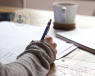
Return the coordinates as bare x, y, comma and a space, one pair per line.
35, 61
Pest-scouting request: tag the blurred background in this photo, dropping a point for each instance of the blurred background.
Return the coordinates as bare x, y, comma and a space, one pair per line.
85, 7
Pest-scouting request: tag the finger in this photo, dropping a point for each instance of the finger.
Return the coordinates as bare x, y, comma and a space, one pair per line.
47, 36
55, 51
49, 39
54, 45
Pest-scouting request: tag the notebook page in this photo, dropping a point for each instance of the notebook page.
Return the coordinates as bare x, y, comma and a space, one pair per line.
13, 42
72, 67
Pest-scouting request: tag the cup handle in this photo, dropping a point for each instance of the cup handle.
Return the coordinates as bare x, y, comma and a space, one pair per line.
64, 13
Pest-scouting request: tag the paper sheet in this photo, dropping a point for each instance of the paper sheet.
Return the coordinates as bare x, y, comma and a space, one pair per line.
83, 38
13, 41
73, 68
65, 52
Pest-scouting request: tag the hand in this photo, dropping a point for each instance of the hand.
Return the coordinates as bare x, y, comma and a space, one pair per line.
49, 40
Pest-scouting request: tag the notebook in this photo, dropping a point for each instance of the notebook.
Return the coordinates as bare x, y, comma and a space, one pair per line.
14, 40
83, 38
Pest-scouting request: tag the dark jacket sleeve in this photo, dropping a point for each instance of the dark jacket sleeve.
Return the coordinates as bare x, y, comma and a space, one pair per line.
34, 61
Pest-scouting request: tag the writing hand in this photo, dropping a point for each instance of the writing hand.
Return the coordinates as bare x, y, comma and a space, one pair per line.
49, 40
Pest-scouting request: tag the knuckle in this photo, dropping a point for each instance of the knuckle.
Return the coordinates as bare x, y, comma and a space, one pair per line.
50, 38
55, 44
56, 51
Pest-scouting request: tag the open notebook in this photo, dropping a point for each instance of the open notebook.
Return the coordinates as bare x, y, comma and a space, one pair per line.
83, 38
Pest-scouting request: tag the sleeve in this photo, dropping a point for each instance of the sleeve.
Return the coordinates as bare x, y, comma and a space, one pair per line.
34, 61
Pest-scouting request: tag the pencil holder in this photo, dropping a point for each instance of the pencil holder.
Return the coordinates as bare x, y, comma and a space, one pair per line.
64, 26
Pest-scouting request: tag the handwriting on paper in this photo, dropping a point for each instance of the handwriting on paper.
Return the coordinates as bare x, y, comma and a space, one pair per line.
67, 70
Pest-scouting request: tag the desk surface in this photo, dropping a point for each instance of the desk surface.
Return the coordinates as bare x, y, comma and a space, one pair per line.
40, 18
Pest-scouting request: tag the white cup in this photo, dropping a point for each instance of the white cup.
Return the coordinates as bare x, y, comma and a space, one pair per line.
64, 12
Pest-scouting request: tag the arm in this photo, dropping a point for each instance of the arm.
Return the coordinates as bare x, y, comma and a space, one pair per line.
35, 61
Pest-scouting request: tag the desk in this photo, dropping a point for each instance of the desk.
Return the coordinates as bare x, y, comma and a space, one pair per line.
40, 18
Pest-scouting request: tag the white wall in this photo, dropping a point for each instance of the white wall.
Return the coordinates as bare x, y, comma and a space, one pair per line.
84, 7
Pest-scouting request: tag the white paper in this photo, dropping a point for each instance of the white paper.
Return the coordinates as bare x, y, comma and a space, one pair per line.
84, 37
73, 68
65, 52
13, 41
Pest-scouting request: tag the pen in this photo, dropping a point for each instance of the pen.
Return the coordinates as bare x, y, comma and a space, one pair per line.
46, 29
